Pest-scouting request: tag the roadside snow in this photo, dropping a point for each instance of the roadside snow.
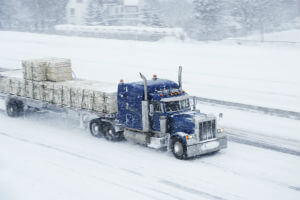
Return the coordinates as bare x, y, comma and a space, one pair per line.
282, 36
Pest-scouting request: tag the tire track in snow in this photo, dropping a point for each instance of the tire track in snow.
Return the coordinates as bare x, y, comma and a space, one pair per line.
191, 190
77, 155
238, 138
162, 181
247, 107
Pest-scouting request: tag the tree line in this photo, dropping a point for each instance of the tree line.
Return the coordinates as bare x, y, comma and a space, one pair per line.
31, 14
201, 19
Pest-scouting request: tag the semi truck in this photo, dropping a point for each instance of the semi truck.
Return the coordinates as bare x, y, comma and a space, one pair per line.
156, 113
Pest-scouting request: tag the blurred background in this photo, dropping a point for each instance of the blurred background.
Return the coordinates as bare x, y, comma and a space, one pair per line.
151, 19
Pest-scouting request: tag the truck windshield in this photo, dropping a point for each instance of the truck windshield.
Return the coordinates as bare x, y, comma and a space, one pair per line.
177, 105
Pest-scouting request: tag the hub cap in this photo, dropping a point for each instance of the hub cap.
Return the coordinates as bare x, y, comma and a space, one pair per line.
178, 148
95, 129
110, 134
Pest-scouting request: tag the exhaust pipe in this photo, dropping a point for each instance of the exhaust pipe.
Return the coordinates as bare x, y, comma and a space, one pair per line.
145, 106
145, 87
179, 77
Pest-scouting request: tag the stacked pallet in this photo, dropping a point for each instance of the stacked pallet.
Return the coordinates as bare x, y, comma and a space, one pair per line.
74, 93
47, 69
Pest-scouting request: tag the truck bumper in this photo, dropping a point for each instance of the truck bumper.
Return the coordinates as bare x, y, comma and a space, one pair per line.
206, 147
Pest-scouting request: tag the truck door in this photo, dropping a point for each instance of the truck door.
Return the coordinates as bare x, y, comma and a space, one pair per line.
155, 113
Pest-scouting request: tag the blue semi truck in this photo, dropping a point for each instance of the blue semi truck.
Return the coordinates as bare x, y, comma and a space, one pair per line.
156, 113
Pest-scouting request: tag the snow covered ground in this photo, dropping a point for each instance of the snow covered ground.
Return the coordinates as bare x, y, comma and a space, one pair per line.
53, 159
283, 36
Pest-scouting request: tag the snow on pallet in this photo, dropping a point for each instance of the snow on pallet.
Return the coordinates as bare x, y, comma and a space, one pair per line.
47, 69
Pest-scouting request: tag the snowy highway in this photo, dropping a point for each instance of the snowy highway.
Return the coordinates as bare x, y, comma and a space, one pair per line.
48, 157
52, 159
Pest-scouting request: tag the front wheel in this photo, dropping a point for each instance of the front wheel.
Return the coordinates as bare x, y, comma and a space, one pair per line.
179, 148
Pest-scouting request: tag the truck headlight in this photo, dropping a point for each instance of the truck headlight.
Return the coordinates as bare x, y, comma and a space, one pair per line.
220, 130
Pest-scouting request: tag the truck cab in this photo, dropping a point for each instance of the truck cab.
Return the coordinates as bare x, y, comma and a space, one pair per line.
157, 113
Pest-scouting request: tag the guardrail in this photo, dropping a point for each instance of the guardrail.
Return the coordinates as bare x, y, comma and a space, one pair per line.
267, 42
248, 107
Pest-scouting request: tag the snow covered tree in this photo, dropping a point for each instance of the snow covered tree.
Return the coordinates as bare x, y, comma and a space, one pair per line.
152, 18
3, 13
151, 14
94, 15
14, 15
156, 20
176, 13
260, 15
208, 19
47, 13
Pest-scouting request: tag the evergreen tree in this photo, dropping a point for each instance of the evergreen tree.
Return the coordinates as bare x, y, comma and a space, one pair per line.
208, 19
94, 15
151, 14
156, 20
25, 14
146, 17
176, 13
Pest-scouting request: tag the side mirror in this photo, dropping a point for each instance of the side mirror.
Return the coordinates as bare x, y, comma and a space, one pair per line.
151, 112
193, 102
220, 115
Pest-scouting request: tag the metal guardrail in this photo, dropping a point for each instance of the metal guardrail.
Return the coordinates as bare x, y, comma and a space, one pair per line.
254, 108
268, 42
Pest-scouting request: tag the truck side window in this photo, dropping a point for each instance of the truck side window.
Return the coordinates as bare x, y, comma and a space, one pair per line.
157, 107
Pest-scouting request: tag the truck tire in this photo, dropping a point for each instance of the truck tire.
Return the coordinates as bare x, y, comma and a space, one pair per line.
178, 148
96, 128
110, 133
14, 108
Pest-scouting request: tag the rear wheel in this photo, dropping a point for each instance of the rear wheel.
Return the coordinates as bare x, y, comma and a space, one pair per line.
111, 134
179, 148
14, 108
96, 128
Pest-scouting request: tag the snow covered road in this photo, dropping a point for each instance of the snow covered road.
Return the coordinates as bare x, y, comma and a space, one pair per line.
51, 159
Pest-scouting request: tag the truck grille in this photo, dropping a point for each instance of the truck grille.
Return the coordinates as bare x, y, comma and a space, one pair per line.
207, 130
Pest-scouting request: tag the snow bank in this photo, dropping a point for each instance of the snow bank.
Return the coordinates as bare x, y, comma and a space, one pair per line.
121, 30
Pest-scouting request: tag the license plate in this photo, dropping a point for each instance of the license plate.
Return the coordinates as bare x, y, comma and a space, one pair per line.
210, 145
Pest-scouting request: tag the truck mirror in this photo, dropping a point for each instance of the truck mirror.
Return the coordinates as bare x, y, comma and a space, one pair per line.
193, 102
151, 112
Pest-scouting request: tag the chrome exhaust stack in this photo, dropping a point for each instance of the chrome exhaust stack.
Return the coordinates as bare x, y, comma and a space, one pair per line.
145, 106
180, 77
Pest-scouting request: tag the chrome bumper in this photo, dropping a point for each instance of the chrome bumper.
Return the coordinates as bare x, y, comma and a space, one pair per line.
207, 146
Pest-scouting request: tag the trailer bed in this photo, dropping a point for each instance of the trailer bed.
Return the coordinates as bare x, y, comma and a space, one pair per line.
95, 96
